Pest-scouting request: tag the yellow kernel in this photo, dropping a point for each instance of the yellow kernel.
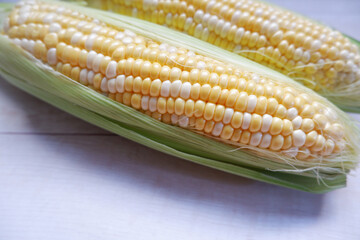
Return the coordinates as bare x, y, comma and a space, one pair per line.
205, 91
199, 108
75, 72
51, 40
276, 126
227, 132
272, 105
145, 86
189, 108
287, 127
200, 124
255, 124
179, 106
209, 111
236, 120
170, 105
219, 113
241, 102
277, 142
215, 94
287, 142
136, 101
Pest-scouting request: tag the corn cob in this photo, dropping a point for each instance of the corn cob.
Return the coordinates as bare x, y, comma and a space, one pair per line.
182, 88
317, 56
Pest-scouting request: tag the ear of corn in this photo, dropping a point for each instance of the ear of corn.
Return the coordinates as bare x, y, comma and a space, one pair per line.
284, 126
315, 55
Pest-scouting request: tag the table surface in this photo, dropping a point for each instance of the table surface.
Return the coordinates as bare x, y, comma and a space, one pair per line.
62, 178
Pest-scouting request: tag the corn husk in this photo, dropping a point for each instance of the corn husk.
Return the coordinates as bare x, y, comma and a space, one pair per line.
31, 75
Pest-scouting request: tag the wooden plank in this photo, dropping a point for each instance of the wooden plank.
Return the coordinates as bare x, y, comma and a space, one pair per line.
76, 187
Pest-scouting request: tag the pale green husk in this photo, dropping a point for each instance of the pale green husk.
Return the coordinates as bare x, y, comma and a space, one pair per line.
36, 78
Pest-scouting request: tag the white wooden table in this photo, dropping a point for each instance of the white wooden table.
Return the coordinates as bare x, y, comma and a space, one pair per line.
61, 178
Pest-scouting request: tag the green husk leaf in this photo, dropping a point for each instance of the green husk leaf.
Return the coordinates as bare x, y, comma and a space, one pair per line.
36, 78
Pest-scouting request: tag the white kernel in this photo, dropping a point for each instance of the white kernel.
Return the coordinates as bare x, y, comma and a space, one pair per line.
175, 88
81, 24
96, 29
255, 139
205, 19
315, 45
238, 35
172, 49
205, 34
201, 65
199, 14
291, 113
51, 56
235, 17
16, 41
329, 147
104, 85
90, 41
229, 112
90, 59
297, 122
127, 40
219, 26
225, 30
265, 141
252, 100
213, 20
163, 46
174, 119
97, 61
134, 12
210, 5
183, 121
111, 85
246, 121
145, 102
120, 83
299, 138
165, 88
54, 28
111, 69
266, 123
119, 36
49, 18
129, 33
265, 27
31, 44
90, 77
185, 90
198, 31
168, 19
22, 18
217, 129
76, 38
60, 10
153, 104
83, 76
188, 23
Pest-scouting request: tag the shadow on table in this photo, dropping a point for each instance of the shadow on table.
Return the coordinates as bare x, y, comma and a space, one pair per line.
116, 159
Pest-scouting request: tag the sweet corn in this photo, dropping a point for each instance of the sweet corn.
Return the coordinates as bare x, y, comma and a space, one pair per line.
319, 57
201, 94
